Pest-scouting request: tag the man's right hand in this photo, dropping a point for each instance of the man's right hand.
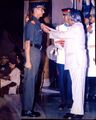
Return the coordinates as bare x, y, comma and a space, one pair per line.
28, 65
60, 42
45, 28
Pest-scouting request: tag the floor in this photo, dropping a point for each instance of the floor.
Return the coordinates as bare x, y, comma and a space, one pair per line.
10, 107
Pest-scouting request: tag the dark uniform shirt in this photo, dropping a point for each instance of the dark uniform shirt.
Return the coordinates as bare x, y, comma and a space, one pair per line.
33, 31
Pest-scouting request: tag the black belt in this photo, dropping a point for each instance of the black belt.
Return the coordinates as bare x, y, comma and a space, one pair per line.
36, 45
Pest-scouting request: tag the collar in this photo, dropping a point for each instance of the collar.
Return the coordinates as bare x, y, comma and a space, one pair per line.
66, 25
33, 18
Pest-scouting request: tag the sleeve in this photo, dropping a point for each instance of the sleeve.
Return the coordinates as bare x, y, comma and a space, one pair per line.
69, 34
29, 31
57, 27
15, 76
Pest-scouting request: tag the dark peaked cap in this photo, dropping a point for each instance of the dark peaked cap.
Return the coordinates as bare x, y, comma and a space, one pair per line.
38, 5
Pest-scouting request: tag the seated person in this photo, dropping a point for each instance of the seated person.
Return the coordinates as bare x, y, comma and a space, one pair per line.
14, 77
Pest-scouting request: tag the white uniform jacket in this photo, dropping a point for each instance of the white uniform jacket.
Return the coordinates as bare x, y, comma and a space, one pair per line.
76, 62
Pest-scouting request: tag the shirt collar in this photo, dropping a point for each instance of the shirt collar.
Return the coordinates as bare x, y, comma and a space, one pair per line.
34, 18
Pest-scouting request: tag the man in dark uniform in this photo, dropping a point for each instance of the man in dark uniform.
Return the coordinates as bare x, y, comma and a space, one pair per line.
33, 40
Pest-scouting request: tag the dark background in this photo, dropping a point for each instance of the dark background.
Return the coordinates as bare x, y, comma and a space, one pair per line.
11, 20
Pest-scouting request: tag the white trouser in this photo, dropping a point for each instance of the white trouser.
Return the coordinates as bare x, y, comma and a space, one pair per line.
76, 63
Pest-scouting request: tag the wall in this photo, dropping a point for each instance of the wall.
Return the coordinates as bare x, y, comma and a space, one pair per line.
57, 5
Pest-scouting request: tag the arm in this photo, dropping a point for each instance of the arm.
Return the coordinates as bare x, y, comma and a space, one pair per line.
29, 32
64, 35
45, 28
6, 77
27, 55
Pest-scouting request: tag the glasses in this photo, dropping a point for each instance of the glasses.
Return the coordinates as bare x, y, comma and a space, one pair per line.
65, 14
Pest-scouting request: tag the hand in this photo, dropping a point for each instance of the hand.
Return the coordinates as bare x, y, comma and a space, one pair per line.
61, 42
28, 65
89, 28
45, 28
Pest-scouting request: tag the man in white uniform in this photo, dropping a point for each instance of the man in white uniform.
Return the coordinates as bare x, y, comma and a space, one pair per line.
75, 59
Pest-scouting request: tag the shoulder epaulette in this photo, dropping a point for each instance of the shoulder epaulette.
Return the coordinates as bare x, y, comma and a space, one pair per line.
33, 22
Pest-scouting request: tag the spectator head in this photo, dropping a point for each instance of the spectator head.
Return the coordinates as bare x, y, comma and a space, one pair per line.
4, 60
92, 15
75, 15
12, 63
92, 12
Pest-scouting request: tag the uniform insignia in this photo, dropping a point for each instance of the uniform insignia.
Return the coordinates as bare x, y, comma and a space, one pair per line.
33, 22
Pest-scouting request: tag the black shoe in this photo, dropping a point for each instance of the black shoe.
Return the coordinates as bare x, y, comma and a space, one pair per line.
36, 114
70, 116
61, 106
30, 114
27, 113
